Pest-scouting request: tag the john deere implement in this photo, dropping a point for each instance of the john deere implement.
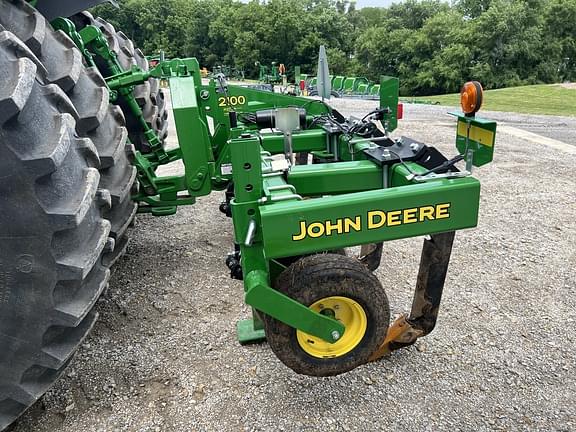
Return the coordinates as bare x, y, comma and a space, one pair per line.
302, 183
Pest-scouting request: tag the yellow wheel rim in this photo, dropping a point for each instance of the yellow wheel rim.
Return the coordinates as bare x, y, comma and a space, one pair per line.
349, 313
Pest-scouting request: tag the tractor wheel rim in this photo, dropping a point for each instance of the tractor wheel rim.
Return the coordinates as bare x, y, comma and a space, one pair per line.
344, 310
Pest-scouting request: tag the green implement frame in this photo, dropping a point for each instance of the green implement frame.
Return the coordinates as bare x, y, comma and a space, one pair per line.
306, 209
366, 189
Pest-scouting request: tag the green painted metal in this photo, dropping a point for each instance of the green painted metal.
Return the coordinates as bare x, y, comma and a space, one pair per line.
338, 83
389, 92
349, 84
297, 79
326, 217
249, 189
94, 42
247, 332
69, 28
361, 81
269, 75
158, 195
194, 138
400, 174
477, 135
256, 100
206, 155
303, 141
345, 201
277, 305
345, 177
362, 88
161, 195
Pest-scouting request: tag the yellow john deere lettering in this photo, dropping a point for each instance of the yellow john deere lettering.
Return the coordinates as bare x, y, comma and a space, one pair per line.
374, 219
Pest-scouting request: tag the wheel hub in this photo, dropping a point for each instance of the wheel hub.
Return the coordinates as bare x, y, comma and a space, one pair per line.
349, 313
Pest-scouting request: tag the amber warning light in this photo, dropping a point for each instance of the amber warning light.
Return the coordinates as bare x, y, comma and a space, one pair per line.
471, 97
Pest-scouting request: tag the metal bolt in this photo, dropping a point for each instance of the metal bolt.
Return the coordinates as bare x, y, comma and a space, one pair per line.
335, 335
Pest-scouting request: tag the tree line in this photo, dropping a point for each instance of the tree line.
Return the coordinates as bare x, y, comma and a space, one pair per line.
431, 45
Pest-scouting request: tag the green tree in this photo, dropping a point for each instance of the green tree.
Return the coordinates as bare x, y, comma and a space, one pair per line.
430, 45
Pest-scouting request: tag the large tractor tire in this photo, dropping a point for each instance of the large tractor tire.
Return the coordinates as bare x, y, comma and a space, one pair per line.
65, 186
149, 95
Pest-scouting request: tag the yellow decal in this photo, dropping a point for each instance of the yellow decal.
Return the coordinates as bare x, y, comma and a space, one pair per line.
374, 219
483, 136
225, 101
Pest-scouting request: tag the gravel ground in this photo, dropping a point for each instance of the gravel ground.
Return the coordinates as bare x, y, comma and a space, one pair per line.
163, 356
555, 127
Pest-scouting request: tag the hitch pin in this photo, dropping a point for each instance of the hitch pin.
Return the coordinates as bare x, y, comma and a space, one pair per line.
250, 233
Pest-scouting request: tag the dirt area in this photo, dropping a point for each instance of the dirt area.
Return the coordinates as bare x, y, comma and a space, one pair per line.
163, 356
569, 85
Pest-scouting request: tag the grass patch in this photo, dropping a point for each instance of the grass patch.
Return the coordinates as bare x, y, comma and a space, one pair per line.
551, 99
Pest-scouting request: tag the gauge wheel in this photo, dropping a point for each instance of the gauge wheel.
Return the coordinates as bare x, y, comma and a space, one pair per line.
344, 289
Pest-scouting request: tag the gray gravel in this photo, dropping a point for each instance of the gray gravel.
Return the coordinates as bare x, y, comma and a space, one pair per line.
163, 356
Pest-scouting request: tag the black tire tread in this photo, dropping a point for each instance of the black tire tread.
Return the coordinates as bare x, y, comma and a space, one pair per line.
65, 187
45, 161
95, 117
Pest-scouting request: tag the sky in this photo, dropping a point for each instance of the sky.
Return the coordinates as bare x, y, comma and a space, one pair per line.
364, 3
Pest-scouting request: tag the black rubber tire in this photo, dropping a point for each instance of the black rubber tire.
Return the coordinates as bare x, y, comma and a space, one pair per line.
95, 117
149, 95
288, 261
319, 276
65, 170
52, 231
